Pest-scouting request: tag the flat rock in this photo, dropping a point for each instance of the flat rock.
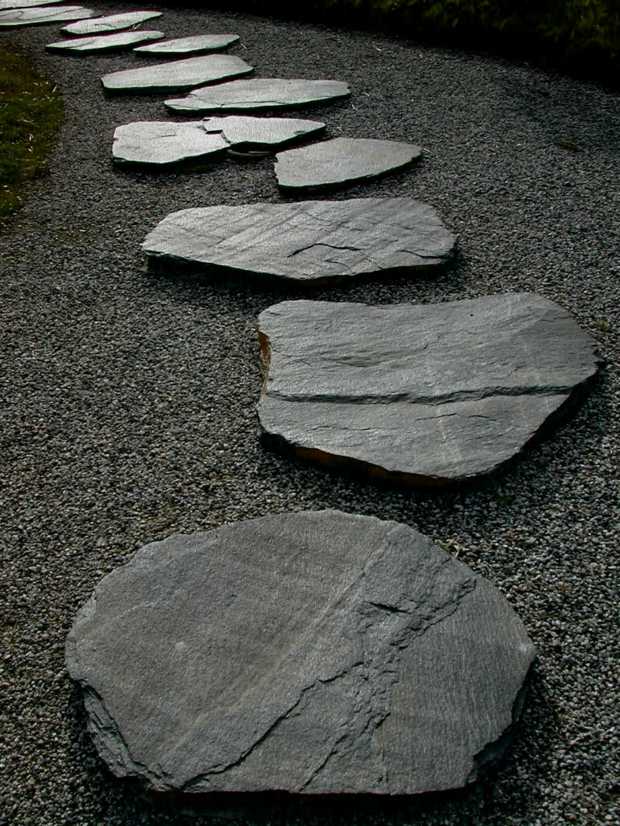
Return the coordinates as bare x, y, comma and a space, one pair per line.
341, 161
177, 74
423, 394
260, 93
104, 42
26, 4
41, 16
111, 23
194, 44
160, 143
307, 242
262, 133
312, 653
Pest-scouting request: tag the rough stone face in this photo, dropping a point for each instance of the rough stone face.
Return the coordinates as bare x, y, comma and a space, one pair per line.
158, 143
315, 653
104, 42
308, 241
40, 16
423, 394
341, 161
195, 44
177, 74
260, 93
26, 4
111, 23
263, 133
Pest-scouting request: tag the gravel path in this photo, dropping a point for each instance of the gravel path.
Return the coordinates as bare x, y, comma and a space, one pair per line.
128, 406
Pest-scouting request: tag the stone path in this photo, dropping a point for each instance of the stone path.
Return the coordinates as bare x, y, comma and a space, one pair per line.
41, 16
111, 23
104, 42
195, 44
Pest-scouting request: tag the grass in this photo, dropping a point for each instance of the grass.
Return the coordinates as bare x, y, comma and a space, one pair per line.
31, 111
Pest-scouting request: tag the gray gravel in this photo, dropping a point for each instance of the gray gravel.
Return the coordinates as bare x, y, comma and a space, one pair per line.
128, 409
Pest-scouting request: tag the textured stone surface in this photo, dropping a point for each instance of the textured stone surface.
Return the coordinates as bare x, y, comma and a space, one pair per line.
341, 161
39, 16
421, 393
308, 241
177, 74
104, 42
260, 93
158, 143
26, 4
262, 132
111, 23
311, 652
194, 44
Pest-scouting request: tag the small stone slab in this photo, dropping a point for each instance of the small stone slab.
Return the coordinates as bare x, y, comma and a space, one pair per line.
195, 44
111, 23
422, 394
178, 74
104, 42
341, 161
260, 93
262, 133
42, 16
312, 653
26, 4
161, 143
309, 242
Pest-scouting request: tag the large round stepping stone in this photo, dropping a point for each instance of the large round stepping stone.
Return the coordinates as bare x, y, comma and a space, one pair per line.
111, 23
42, 16
262, 133
341, 161
161, 143
308, 242
26, 4
177, 74
195, 44
260, 93
312, 653
104, 42
423, 394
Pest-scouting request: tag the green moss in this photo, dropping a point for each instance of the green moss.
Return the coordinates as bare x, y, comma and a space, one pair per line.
31, 111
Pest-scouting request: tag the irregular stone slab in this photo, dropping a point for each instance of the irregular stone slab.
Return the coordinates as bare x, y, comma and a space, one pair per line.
178, 74
26, 4
195, 44
111, 23
160, 143
313, 653
41, 16
308, 242
260, 93
341, 161
104, 42
263, 133
423, 394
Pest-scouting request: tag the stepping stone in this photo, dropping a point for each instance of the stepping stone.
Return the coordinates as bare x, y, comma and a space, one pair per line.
178, 74
26, 4
195, 44
161, 143
41, 16
260, 93
310, 242
262, 133
111, 23
312, 653
341, 161
421, 394
104, 42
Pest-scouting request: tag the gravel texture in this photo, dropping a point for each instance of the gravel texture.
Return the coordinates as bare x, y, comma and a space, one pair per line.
128, 409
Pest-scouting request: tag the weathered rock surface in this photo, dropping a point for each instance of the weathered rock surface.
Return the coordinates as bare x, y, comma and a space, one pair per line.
423, 394
177, 74
40, 16
194, 44
111, 23
260, 93
26, 4
262, 133
316, 652
308, 241
341, 161
159, 143
104, 42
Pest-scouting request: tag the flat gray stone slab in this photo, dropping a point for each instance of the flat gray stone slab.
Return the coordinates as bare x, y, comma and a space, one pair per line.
26, 4
103, 43
312, 653
42, 16
160, 143
262, 133
176, 74
308, 242
260, 93
195, 44
423, 394
111, 23
341, 161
